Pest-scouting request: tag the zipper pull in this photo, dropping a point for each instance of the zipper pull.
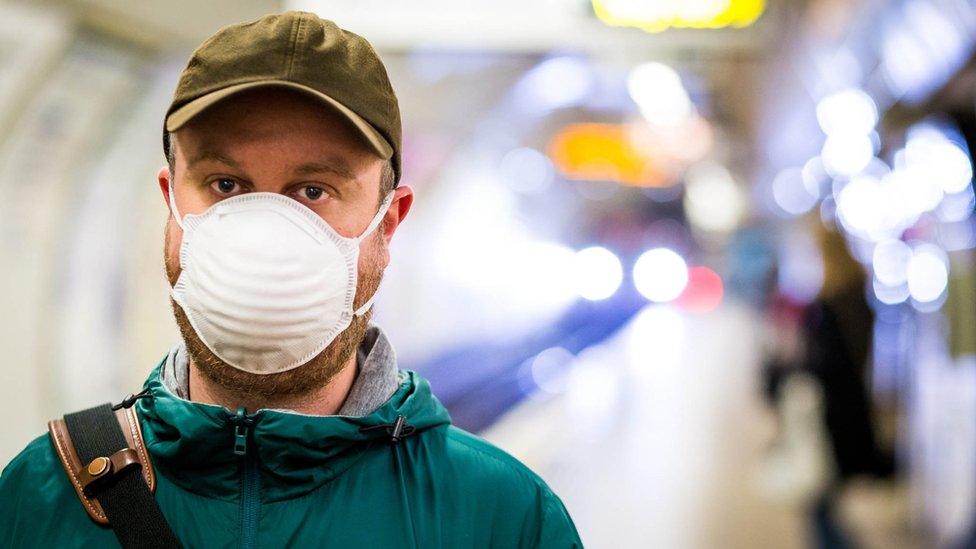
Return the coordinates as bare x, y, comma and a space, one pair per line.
242, 424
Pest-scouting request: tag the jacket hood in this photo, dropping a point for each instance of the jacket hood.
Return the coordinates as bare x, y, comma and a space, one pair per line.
194, 444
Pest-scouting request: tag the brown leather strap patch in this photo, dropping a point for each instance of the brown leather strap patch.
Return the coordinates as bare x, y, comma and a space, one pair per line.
79, 473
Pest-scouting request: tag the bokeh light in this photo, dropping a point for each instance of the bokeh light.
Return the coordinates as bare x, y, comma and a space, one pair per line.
713, 200
660, 275
550, 369
932, 157
704, 291
890, 261
846, 154
957, 206
889, 295
791, 193
928, 274
603, 152
597, 272
848, 112
556, 82
860, 207
527, 170
657, 89
816, 180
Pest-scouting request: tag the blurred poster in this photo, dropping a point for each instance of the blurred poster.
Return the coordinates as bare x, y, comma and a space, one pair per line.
31, 42
45, 155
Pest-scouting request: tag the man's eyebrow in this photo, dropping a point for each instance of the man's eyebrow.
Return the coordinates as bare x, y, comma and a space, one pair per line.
215, 156
337, 168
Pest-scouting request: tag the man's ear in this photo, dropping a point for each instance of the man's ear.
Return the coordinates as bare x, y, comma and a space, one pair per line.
402, 200
163, 178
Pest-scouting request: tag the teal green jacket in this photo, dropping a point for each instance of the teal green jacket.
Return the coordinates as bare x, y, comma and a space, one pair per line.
303, 481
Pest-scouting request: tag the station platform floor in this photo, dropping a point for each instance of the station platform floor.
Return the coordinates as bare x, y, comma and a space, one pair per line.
656, 437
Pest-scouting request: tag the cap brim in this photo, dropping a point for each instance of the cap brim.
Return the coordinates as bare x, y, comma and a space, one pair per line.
184, 114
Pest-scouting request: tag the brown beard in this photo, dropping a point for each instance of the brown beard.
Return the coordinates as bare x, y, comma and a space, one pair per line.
313, 374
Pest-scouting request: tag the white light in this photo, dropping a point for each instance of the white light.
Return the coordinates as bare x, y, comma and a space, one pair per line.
876, 209
907, 65
957, 236
938, 160
526, 275
815, 178
917, 192
890, 295
544, 283
660, 275
597, 272
850, 112
713, 201
550, 369
791, 194
481, 259
657, 90
861, 207
942, 36
555, 83
957, 206
928, 274
838, 67
927, 46
890, 261
846, 154
526, 170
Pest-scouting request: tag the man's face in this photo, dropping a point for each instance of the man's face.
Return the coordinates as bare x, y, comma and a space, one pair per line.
280, 141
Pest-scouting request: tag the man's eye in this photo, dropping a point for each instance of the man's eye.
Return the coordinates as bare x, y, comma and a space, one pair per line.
225, 186
312, 193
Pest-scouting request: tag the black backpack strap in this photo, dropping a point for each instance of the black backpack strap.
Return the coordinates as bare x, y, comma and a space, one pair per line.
108, 480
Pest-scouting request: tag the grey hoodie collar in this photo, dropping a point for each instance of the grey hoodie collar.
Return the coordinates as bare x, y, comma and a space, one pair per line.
377, 376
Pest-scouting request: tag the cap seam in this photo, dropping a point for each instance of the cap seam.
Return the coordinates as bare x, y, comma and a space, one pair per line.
295, 33
300, 40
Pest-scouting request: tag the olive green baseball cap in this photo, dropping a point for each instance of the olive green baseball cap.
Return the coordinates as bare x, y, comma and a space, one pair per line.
300, 51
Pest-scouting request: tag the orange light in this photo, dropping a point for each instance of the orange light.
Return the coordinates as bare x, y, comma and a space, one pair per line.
604, 152
704, 291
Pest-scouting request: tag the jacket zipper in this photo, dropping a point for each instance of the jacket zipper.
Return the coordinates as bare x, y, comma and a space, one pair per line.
250, 480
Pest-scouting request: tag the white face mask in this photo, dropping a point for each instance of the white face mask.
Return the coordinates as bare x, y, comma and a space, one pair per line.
265, 282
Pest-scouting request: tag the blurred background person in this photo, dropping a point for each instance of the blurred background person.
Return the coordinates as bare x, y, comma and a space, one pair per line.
838, 326
837, 330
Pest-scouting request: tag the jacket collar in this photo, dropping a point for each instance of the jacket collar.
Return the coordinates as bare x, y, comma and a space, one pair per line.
376, 377
192, 444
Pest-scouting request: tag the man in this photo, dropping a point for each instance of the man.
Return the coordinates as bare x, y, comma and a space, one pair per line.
282, 419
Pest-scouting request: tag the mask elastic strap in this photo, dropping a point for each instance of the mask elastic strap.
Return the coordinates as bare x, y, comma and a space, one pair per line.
378, 218
369, 229
172, 203
369, 303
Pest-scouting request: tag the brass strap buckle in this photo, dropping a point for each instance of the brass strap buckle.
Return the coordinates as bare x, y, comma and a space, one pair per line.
102, 468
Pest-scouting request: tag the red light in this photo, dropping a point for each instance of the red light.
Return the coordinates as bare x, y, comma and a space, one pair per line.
704, 291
